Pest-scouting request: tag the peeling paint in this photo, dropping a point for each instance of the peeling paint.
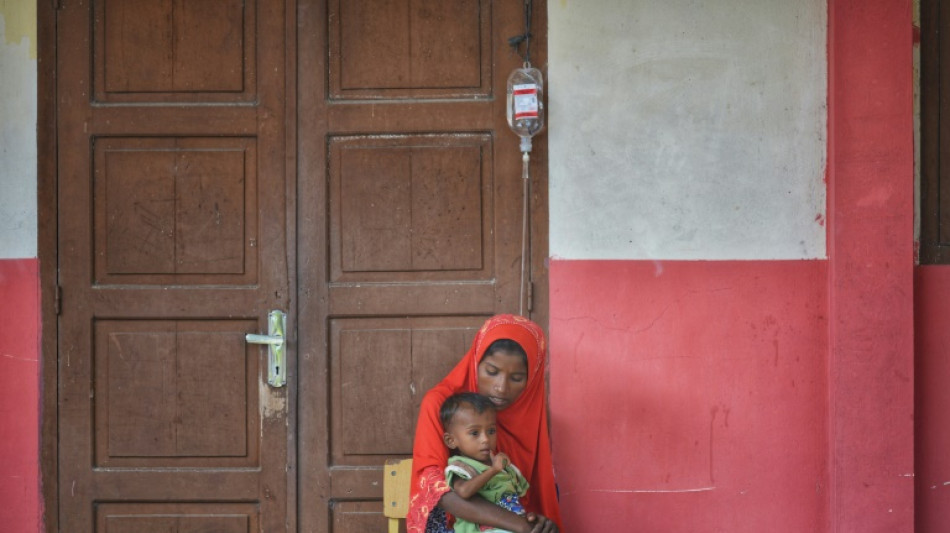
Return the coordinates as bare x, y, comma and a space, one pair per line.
653, 491
273, 401
11, 356
18, 22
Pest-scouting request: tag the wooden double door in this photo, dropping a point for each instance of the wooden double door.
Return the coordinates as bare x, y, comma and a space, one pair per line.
344, 162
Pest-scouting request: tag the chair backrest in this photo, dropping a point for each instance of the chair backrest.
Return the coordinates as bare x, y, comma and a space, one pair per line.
396, 479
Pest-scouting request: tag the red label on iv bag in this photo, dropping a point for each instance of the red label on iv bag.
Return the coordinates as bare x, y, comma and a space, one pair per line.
525, 101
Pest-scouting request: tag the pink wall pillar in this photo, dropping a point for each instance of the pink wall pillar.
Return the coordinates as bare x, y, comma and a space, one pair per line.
933, 398
870, 248
21, 505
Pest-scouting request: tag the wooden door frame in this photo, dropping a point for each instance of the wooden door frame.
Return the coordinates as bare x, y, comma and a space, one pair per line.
47, 244
47, 200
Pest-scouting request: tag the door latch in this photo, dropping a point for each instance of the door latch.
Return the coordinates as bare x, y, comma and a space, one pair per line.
276, 363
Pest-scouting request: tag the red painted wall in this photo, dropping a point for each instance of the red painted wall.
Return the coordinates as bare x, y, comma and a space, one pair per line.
20, 500
932, 312
870, 249
763, 395
690, 396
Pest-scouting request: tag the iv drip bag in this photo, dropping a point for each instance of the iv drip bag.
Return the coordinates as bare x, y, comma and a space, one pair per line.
525, 107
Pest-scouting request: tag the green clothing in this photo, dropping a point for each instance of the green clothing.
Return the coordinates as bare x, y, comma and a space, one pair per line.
502, 489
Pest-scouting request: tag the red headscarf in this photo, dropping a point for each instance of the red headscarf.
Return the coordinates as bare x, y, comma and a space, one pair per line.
522, 427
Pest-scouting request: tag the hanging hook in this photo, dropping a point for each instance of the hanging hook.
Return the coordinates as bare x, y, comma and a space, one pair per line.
515, 42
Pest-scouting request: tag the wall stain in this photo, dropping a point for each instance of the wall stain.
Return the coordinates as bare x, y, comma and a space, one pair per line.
712, 422
18, 19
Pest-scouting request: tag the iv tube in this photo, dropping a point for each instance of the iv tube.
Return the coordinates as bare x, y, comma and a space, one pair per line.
526, 118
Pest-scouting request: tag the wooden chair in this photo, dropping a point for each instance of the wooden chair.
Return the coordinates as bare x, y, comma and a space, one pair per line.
396, 479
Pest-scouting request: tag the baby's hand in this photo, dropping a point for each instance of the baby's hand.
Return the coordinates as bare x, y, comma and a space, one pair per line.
499, 461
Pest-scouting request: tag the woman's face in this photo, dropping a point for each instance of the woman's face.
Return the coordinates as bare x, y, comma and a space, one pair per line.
502, 376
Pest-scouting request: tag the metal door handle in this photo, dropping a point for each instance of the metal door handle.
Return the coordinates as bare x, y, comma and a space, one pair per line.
276, 365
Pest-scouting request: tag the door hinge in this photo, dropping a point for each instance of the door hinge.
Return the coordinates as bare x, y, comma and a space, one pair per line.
58, 300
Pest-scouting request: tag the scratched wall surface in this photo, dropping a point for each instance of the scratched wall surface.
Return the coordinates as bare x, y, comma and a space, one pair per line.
690, 396
19, 396
18, 129
871, 265
687, 130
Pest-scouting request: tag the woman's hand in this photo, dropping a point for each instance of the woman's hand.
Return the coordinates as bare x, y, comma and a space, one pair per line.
541, 524
481, 511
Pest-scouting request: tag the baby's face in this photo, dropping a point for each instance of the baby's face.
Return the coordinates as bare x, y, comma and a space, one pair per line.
472, 433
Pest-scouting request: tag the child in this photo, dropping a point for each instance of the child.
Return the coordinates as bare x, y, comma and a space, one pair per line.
468, 419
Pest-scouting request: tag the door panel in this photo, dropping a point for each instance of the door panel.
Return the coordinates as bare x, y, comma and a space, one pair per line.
172, 246
410, 212
175, 210
388, 231
175, 394
377, 368
410, 208
175, 50
179, 518
398, 48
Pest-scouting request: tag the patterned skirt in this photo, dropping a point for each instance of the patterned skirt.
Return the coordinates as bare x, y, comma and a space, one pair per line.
436, 522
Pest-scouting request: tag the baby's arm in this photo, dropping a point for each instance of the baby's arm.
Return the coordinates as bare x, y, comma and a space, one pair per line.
467, 488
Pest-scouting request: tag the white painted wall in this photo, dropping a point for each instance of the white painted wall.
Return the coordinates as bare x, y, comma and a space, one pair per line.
18, 213
687, 129
684, 129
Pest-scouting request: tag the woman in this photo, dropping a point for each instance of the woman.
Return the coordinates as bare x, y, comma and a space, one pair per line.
506, 363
